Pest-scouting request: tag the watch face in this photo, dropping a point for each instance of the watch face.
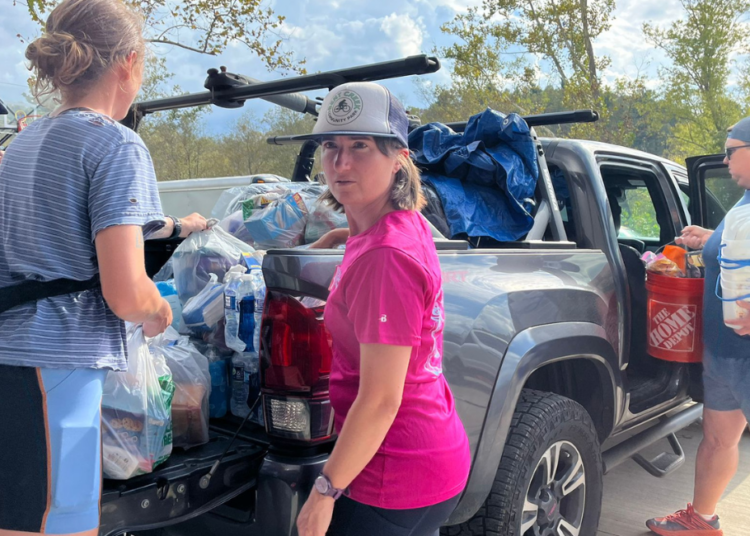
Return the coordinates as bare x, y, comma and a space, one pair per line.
321, 485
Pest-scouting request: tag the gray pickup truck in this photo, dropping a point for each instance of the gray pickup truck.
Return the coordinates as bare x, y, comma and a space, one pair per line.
544, 348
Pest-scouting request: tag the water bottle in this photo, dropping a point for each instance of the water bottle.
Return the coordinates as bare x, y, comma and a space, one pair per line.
259, 291
254, 389
247, 321
234, 292
241, 371
168, 291
218, 400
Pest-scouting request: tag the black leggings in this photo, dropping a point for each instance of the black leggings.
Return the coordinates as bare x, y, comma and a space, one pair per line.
351, 518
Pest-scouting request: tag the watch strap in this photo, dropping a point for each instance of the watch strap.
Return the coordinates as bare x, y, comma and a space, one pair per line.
177, 230
332, 492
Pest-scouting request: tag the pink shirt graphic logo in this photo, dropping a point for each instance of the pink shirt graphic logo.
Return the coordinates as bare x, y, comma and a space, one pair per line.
434, 363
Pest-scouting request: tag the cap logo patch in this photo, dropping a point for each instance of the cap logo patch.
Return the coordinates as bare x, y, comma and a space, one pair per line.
345, 107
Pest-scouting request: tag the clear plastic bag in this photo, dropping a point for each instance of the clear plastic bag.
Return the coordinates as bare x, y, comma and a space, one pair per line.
192, 380
202, 312
231, 200
321, 219
136, 412
213, 251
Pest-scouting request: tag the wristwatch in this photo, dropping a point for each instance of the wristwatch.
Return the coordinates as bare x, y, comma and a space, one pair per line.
177, 227
324, 487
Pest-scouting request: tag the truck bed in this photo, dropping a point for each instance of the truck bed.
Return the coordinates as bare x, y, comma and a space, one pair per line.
177, 490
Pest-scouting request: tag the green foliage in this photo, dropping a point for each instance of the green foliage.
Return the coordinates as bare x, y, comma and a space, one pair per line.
181, 148
701, 47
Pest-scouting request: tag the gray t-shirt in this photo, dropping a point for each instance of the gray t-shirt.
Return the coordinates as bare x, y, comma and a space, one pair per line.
62, 181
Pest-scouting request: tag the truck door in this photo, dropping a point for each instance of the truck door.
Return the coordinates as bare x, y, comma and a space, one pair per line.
712, 191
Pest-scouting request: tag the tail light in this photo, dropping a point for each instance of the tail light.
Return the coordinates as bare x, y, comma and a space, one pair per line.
295, 352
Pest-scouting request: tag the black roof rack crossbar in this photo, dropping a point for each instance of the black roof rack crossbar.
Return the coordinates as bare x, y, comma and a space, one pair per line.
413, 65
552, 118
555, 118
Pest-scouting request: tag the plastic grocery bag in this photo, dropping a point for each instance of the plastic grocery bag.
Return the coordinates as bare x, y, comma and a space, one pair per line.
281, 224
231, 200
136, 412
321, 219
203, 311
213, 251
192, 382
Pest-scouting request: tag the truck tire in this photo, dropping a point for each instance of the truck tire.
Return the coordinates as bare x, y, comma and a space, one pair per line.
547, 430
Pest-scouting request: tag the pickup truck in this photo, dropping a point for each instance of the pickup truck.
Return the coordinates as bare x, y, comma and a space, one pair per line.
544, 348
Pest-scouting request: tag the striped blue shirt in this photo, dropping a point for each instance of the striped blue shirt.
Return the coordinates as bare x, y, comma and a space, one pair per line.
62, 180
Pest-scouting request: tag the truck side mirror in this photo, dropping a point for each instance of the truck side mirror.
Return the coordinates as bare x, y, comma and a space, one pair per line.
3, 109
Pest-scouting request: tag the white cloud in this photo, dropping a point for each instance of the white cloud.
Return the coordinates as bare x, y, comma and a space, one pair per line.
404, 32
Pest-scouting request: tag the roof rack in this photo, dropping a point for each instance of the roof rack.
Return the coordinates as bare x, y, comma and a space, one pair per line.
283, 91
554, 118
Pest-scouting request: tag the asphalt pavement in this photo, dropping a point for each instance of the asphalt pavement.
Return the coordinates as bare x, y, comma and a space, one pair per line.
631, 495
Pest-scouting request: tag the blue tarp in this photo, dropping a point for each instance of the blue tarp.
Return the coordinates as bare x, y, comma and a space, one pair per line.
485, 177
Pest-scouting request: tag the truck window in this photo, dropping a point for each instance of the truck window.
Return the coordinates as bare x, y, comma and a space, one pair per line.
639, 210
638, 218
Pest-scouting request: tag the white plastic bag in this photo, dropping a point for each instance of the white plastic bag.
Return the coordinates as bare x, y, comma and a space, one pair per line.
192, 382
213, 251
323, 218
281, 224
231, 200
136, 412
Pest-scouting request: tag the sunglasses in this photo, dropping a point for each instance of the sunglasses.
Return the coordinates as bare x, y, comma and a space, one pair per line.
729, 151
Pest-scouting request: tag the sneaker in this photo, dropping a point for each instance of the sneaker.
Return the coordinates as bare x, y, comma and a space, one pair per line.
685, 523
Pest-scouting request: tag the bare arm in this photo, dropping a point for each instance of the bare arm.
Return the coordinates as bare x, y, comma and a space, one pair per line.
190, 224
383, 370
331, 239
127, 289
694, 237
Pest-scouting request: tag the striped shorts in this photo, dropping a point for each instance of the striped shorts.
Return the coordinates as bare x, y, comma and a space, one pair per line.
50, 453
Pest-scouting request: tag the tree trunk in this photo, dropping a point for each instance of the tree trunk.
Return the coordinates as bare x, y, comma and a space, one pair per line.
593, 78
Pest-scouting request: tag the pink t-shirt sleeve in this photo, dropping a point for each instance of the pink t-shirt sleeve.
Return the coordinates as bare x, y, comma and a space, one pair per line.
385, 295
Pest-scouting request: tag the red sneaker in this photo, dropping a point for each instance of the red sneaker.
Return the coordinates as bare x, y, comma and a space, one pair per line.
685, 523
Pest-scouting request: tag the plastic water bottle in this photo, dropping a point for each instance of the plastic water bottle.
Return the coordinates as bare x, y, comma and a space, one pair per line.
259, 291
168, 291
247, 317
254, 390
241, 370
236, 289
218, 400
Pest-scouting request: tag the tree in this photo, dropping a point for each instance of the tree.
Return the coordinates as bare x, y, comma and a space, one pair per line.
496, 61
561, 32
701, 47
210, 24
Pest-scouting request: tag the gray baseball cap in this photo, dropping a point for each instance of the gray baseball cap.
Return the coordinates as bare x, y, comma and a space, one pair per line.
360, 109
740, 131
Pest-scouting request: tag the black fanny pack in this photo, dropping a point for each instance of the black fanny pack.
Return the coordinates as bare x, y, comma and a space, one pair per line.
30, 291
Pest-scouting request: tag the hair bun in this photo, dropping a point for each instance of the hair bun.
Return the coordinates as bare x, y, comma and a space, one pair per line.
84, 39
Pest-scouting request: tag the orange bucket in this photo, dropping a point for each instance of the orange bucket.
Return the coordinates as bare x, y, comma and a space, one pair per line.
675, 318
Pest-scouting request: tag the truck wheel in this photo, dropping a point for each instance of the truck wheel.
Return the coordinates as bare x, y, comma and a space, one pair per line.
549, 482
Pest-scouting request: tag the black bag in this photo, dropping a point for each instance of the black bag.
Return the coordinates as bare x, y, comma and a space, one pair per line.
29, 291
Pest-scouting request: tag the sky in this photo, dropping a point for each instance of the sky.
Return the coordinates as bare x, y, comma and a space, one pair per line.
334, 34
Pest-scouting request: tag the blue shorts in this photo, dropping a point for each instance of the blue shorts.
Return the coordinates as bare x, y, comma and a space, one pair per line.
726, 384
50, 459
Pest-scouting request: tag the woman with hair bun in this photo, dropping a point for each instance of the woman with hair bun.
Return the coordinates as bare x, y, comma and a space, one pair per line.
77, 197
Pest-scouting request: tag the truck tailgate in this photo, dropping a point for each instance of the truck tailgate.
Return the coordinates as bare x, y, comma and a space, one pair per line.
174, 492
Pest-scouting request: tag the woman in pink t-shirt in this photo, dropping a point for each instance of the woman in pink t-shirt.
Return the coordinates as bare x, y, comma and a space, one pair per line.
402, 456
